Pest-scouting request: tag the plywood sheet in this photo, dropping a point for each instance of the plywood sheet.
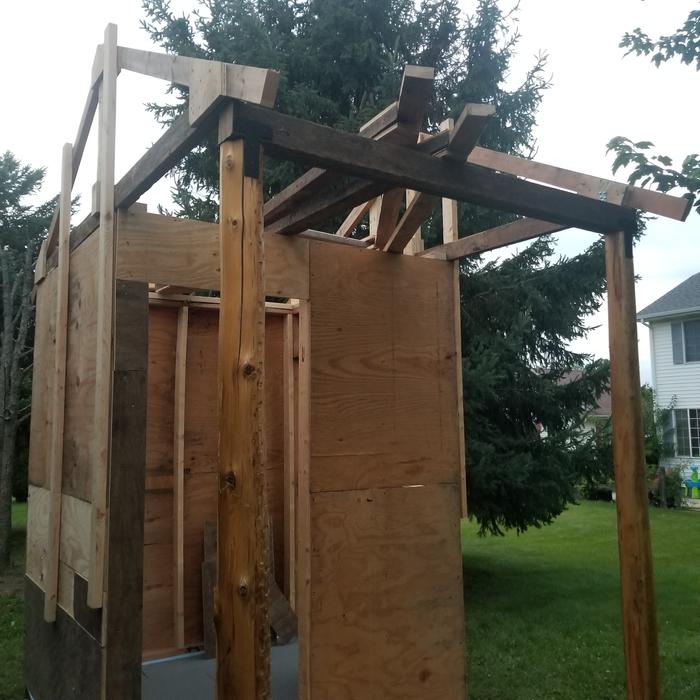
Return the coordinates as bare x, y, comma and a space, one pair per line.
384, 398
387, 618
42, 381
201, 475
75, 533
80, 371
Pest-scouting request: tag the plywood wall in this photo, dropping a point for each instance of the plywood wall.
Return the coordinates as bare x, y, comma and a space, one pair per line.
384, 577
80, 387
200, 456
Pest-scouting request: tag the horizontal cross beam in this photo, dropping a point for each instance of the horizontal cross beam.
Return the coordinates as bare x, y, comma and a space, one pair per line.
400, 166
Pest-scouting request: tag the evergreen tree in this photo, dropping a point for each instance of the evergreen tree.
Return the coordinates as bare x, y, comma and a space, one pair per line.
21, 227
341, 62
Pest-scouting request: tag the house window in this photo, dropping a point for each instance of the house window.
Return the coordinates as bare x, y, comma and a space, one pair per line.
687, 422
685, 337
691, 333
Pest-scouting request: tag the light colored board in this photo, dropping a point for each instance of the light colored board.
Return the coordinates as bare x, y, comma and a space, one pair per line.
586, 185
289, 515
207, 80
58, 397
387, 612
383, 374
242, 621
80, 372
42, 380
179, 473
450, 233
405, 230
105, 313
303, 510
182, 252
636, 567
515, 232
66, 583
468, 128
389, 205
353, 219
74, 534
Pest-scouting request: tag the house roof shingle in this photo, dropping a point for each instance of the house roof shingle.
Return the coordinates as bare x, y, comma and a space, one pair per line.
681, 299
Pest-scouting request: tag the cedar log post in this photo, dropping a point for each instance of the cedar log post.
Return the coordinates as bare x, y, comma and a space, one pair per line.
241, 613
636, 575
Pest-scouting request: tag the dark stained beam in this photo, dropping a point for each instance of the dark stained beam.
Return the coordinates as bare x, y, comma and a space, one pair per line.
400, 166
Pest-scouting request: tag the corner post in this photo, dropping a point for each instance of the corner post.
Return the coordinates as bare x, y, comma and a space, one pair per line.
241, 607
636, 574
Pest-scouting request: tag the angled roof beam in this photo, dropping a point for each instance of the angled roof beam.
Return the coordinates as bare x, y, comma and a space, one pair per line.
405, 167
398, 123
462, 138
468, 129
416, 89
353, 219
586, 185
515, 232
208, 81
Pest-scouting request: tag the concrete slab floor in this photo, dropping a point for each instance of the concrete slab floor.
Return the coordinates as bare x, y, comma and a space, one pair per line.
193, 676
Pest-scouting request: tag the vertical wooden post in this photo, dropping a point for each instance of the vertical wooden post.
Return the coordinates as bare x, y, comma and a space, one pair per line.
58, 400
179, 475
290, 480
303, 569
636, 575
105, 318
450, 232
242, 618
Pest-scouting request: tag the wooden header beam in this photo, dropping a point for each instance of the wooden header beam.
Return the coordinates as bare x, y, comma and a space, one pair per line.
385, 162
208, 81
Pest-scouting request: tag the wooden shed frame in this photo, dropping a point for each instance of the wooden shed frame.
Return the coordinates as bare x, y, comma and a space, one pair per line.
86, 527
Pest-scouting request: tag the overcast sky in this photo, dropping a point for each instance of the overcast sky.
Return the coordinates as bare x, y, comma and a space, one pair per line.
47, 48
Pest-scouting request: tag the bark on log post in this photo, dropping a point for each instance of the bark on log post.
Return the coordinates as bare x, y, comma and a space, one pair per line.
636, 574
242, 619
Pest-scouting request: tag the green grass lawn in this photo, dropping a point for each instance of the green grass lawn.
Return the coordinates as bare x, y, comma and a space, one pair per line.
543, 613
11, 613
543, 608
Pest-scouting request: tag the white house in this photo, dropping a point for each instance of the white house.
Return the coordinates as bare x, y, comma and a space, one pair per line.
674, 330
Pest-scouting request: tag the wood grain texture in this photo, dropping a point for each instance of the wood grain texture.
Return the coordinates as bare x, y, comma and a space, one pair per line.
183, 252
80, 372
179, 473
383, 373
200, 472
61, 660
104, 267
290, 490
123, 623
74, 534
507, 234
242, 617
387, 613
636, 570
42, 380
399, 166
58, 397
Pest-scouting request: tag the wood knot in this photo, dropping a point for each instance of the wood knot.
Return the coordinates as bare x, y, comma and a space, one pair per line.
229, 161
248, 369
243, 589
229, 480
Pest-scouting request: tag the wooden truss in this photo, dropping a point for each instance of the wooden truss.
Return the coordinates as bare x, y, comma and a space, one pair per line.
389, 172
